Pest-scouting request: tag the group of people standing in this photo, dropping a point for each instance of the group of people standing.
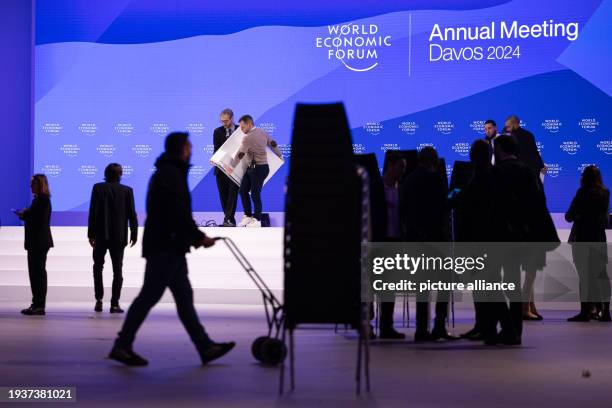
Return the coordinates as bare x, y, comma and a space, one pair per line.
503, 202
169, 233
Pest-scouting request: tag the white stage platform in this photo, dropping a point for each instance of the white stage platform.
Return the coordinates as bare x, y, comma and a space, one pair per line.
215, 274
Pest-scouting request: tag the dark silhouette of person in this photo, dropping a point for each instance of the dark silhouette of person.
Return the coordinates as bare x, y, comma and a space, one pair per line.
111, 208
391, 177
589, 212
228, 190
526, 148
535, 258
476, 218
169, 233
38, 241
424, 217
520, 205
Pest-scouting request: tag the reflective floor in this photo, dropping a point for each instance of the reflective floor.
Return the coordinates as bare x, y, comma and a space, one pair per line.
67, 348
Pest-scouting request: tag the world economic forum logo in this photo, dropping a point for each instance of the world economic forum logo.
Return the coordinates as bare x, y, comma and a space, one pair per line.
553, 169
268, 127
373, 127
88, 170
358, 148
70, 150
605, 146
52, 170
461, 148
570, 147
409, 127
357, 46
389, 146
106, 150
477, 126
552, 125
285, 150
128, 170
444, 126
589, 124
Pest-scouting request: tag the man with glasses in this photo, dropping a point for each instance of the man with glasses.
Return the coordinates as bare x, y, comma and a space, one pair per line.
228, 190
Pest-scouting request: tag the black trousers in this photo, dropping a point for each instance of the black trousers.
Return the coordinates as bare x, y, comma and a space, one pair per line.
252, 183
422, 312
37, 269
228, 194
116, 253
504, 308
164, 270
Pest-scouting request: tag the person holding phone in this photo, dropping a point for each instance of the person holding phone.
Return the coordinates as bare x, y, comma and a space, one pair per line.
38, 241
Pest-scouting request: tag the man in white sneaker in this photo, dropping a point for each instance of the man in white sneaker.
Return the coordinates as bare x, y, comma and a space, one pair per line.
253, 151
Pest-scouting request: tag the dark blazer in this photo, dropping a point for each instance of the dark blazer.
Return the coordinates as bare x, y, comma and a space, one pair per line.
219, 138
424, 215
476, 215
110, 209
37, 224
521, 203
169, 224
589, 213
528, 150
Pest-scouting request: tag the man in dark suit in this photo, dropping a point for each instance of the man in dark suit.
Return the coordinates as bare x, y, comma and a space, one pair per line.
170, 232
424, 217
111, 208
228, 190
527, 150
520, 205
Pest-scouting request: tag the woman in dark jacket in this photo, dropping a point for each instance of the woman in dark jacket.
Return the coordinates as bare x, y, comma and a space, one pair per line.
38, 240
589, 213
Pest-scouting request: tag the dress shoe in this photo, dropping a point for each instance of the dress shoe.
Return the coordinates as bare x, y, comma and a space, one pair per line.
127, 356
490, 339
421, 337
228, 224
531, 317
509, 340
501, 338
213, 351
580, 318
33, 311
437, 334
391, 333
116, 309
478, 336
469, 333
98, 306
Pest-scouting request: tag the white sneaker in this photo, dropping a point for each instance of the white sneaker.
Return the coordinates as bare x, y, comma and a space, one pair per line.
245, 220
255, 223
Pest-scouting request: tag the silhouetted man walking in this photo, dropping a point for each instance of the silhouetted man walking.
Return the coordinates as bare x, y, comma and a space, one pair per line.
169, 233
110, 209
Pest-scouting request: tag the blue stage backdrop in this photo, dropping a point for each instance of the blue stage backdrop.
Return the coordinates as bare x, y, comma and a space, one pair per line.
113, 78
